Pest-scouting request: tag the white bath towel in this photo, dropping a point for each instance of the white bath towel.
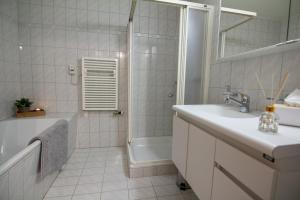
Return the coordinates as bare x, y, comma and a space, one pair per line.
293, 99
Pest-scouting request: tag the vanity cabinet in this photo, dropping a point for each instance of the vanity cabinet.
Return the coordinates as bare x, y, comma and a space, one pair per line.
180, 144
193, 153
200, 161
216, 170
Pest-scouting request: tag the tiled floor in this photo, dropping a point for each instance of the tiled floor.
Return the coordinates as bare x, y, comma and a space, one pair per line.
102, 173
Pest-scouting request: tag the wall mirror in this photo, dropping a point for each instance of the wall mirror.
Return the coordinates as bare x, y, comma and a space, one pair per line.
248, 25
294, 22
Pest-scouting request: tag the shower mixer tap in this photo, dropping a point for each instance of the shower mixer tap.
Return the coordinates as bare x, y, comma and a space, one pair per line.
170, 95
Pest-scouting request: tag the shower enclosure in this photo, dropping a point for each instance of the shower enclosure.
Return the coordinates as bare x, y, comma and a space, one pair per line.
168, 57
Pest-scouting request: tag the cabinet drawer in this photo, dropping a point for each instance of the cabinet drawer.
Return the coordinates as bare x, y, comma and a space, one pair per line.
224, 188
253, 174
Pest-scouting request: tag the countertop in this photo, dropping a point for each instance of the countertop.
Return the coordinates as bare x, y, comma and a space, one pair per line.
286, 143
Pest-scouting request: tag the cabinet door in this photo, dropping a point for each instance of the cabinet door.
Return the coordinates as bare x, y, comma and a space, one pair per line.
179, 146
200, 162
224, 188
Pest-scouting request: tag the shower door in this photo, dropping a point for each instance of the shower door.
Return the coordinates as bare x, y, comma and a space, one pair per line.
169, 57
154, 68
194, 50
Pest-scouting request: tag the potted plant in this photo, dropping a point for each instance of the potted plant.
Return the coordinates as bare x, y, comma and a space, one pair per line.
23, 104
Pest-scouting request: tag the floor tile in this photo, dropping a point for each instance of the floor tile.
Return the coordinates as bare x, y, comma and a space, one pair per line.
163, 180
97, 154
87, 197
76, 159
114, 185
98, 149
141, 193
80, 154
116, 169
60, 191
82, 150
59, 198
139, 183
116, 162
189, 195
115, 177
65, 181
153, 198
166, 190
90, 179
175, 197
96, 159
75, 165
115, 195
68, 173
94, 165
92, 171
88, 188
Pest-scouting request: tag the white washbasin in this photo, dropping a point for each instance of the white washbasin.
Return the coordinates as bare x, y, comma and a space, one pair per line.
225, 111
227, 121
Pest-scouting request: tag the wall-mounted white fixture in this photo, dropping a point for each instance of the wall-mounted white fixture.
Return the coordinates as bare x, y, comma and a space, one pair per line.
73, 72
99, 83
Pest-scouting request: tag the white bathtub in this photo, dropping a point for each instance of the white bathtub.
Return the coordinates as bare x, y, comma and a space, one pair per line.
19, 177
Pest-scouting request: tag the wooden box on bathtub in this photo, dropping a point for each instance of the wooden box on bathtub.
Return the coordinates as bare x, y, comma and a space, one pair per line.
32, 113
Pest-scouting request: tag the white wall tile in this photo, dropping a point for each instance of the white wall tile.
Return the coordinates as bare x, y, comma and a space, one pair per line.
9, 59
242, 77
238, 74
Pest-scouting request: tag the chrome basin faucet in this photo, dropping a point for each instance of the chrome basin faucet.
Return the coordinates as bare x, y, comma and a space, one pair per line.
243, 100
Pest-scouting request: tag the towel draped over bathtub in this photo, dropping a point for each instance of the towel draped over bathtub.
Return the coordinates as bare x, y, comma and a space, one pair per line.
54, 147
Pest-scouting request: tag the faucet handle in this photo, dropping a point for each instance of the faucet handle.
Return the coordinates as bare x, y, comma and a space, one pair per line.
227, 99
245, 98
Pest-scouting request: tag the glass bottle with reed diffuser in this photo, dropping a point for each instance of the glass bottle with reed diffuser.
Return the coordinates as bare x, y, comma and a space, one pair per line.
268, 121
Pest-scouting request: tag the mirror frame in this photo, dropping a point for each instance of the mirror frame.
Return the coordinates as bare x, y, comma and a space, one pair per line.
275, 48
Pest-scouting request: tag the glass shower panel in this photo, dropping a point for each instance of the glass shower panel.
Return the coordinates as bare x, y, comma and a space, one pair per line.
195, 56
154, 68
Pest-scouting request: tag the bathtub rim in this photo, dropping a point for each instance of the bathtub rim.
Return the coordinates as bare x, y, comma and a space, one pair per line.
28, 149
18, 157
150, 163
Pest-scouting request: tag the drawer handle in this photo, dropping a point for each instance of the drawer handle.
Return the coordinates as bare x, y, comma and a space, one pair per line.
268, 158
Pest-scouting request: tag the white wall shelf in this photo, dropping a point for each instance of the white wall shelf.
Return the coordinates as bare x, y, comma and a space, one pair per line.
277, 48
